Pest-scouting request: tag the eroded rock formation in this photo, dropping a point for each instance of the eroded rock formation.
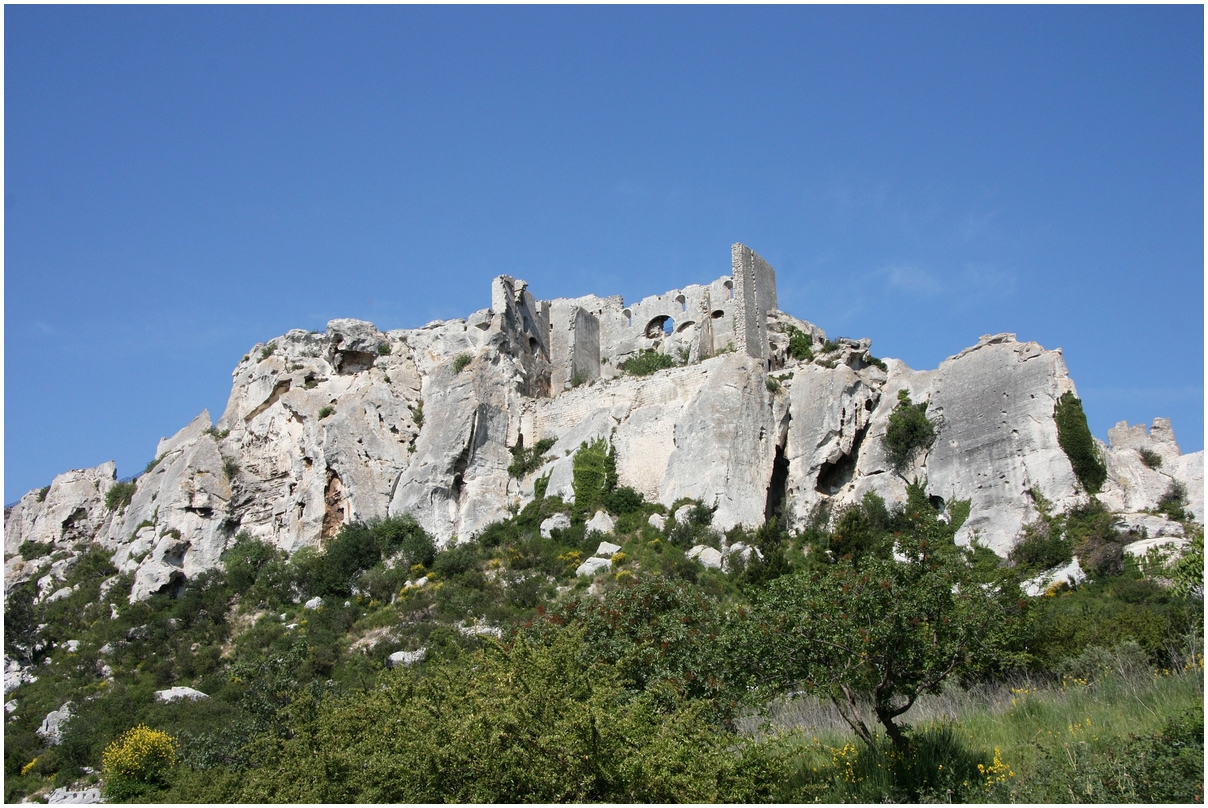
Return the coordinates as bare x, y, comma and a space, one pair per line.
356, 424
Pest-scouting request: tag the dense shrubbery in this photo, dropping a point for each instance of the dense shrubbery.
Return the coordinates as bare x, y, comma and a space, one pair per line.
119, 496
527, 460
1074, 437
801, 344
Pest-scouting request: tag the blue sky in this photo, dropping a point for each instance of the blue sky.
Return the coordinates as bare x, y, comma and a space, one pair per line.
184, 182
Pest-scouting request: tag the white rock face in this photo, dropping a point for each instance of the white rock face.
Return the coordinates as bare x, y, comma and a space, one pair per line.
657, 521
593, 565
601, 523
559, 521
322, 429
314, 603
177, 693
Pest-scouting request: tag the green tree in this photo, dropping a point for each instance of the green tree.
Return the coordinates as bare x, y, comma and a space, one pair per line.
881, 631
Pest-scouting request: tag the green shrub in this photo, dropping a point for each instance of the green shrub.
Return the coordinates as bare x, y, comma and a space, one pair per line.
417, 413
1044, 545
42, 492
646, 363
30, 550
384, 349
215, 433
909, 432
526, 460
267, 351
1173, 501
594, 474
1074, 437
830, 346
461, 362
230, 467
772, 384
872, 360
800, 344
1150, 458
540, 485
326, 411
120, 495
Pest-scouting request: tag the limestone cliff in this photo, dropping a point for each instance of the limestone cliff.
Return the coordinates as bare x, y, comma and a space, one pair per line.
355, 424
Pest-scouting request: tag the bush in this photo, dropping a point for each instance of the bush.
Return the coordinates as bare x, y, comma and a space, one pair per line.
384, 349
42, 492
325, 411
119, 496
594, 470
529, 460
461, 362
1074, 437
267, 351
29, 550
230, 467
800, 344
1173, 501
137, 762
1150, 458
909, 432
646, 363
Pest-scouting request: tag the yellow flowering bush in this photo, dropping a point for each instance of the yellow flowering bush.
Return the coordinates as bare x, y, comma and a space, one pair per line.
137, 761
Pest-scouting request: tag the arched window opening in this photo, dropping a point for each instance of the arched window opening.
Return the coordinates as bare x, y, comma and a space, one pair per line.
628, 315
683, 326
718, 314
729, 289
682, 301
660, 326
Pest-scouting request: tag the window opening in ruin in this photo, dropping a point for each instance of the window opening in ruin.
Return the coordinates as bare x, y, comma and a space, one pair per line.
628, 315
534, 346
729, 289
683, 302
718, 314
684, 325
660, 326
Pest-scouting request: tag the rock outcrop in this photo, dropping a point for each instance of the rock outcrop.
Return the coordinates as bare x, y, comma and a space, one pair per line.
356, 424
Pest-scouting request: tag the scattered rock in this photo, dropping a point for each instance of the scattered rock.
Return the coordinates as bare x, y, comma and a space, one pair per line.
607, 549
52, 725
657, 521
593, 565
559, 521
1070, 573
68, 796
684, 514
72, 646
601, 523
707, 556
177, 693
314, 603
405, 658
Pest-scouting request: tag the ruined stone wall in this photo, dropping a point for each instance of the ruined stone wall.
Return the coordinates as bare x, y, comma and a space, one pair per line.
755, 291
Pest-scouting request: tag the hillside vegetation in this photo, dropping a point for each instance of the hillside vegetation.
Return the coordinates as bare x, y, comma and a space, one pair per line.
866, 658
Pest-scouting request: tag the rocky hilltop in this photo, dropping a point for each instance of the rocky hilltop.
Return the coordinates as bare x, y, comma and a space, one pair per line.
355, 424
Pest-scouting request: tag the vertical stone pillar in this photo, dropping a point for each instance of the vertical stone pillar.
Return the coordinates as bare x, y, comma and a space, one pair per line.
754, 296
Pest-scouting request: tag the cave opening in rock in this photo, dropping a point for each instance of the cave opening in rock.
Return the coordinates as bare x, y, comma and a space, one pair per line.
833, 476
778, 487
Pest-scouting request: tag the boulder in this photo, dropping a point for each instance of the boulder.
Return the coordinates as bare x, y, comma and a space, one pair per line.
657, 521
405, 658
607, 549
74, 796
601, 523
593, 566
52, 726
1070, 573
177, 693
559, 521
707, 556
314, 603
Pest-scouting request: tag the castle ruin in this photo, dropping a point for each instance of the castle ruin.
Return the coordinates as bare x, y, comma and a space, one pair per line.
566, 342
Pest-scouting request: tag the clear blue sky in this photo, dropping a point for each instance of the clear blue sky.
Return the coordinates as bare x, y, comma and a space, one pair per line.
183, 182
